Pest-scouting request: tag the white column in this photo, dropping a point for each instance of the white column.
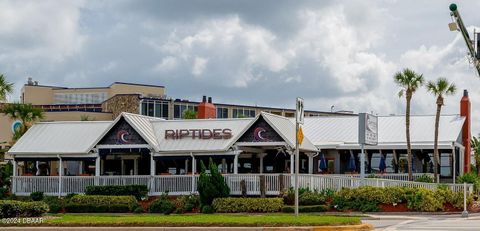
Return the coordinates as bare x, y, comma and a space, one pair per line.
38, 170
292, 163
14, 181
224, 165
97, 166
454, 167
186, 166
135, 166
310, 163
261, 156
194, 169
235, 164
60, 174
152, 173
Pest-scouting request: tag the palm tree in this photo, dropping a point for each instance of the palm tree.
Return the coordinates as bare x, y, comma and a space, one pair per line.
439, 89
409, 82
5, 88
476, 151
26, 113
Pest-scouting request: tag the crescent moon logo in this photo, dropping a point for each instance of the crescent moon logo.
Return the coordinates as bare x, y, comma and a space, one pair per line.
257, 134
122, 137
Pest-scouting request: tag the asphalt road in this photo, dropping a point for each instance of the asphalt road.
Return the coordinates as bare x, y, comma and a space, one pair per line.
424, 222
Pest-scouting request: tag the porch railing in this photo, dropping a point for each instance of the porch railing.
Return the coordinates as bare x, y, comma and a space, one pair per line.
390, 176
254, 184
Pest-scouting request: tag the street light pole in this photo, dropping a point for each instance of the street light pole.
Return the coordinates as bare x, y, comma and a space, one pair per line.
297, 159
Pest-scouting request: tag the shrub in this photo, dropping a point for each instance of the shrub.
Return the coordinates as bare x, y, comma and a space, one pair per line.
250, 205
98, 203
311, 198
306, 209
424, 178
70, 195
211, 185
55, 204
139, 209
208, 209
36, 196
22, 209
470, 178
138, 191
425, 200
162, 205
187, 203
289, 194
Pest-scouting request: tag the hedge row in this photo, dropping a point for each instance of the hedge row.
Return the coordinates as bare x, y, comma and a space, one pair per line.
240, 205
138, 191
92, 204
367, 198
10, 208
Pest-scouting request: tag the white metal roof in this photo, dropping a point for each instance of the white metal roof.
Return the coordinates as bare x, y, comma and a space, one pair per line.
73, 137
188, 144
342, 131
287, 130
142, 124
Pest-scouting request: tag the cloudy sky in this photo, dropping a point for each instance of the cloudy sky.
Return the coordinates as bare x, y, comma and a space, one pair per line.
341, 53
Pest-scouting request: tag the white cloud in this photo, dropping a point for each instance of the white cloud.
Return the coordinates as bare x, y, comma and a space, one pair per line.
167, 64
199, 65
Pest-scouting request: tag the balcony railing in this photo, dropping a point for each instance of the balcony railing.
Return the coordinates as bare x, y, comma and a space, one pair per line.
254, 184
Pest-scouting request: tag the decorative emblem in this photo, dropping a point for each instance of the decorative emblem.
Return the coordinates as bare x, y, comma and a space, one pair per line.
122, 137
258, 136
16, 126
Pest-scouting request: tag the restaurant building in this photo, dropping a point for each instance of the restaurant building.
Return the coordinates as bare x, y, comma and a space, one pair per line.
134, 145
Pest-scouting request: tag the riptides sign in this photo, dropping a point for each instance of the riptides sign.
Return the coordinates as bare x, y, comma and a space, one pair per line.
205, 134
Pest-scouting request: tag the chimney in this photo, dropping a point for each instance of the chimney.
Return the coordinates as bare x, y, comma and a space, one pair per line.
206, 109
466, 133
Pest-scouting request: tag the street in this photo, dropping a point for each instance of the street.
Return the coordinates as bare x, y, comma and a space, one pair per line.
424, 222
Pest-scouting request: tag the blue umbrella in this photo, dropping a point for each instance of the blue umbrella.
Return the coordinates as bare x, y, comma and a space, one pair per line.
413, 162
323, 163
382, 165
351, 163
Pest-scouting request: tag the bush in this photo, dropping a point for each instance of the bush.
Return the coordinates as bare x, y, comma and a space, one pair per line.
306, 209
187, 203
424, 178
249, 205
138, 191
70, 195
36, 196
311, 198
55, 204
162, 205
94, 203
208, 209
470, 178
22, 209
211, 185
139, 209
425, 200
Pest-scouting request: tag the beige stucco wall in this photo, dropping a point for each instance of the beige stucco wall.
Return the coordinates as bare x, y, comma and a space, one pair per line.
5, 129
37, 95
147, 91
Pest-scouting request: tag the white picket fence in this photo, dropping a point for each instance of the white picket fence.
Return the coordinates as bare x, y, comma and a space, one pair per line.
273, 184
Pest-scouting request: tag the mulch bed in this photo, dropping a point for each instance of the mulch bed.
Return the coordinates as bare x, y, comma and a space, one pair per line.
402, 207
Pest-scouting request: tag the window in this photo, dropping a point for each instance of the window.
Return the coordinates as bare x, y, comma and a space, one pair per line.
446, 164
178, 109
80, 98
222, 112
242, 113
155, 108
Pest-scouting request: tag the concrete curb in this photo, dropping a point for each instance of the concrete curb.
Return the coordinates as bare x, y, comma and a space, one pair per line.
361, 227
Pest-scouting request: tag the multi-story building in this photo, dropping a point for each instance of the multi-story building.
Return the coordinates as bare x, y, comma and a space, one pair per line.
106, 103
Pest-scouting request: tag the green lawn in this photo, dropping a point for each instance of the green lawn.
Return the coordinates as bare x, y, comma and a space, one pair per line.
198, 220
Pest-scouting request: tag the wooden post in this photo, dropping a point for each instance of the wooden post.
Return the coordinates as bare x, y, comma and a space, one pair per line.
14, 180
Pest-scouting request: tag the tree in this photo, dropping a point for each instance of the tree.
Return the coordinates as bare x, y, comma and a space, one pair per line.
439, 89
26, 113
409, 82
211, 185
189, 114
476, 152
5, 88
